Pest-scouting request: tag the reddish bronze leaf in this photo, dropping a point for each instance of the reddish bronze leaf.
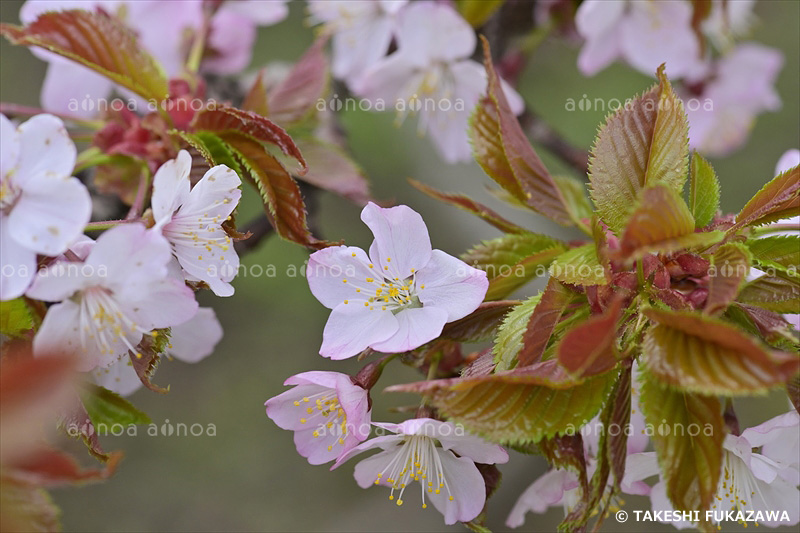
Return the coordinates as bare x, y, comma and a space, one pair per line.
778, 199
547, 313
481, 324
296, 96
590, 348
730, 266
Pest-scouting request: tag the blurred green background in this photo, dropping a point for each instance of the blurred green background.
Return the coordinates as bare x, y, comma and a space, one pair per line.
248, 477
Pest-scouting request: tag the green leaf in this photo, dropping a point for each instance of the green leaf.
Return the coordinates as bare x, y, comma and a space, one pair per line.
703, 191
508, 341
283, 201
213, 149
662, 223
507, 407
109, 409
778, 199
579, 266
545, 320
642, 144
98, 41
476, 12
512, 260
590, 348
730, 265
690, 463
481, 324
471, 206
505, 154
780, 294
576, 199
15, 317
781, 252
697, 353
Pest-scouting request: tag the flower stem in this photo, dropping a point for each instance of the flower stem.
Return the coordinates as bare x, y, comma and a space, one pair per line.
105, 224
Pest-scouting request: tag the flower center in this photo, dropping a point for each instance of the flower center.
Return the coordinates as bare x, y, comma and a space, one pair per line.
734, 482
200, 233
103, 322
324, 411
8, 195
386, 293
416, 460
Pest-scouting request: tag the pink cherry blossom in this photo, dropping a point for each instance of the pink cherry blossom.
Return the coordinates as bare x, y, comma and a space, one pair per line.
644, 34
424, 450
110, 301
431, 73
361, 30
757, 481
740, 87
397, 297
789, 160
328, 412
189, 342
191, 220
164, 30
42, 207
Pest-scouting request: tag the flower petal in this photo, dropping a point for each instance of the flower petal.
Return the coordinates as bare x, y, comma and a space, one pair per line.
9, 147
216, 195
416, 326
360, 46
353, 328
119, 377
367, 470
387, 443
71, 88
790, 159
284, 413
164, 304
60, 335
547, 491
430, 31
45, 148
18, 264
466, 485
451, 285
334, 274
171, 186
475, 448
402, 242
196, 339
131, 257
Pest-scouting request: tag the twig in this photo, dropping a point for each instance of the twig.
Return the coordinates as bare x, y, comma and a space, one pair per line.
259, 228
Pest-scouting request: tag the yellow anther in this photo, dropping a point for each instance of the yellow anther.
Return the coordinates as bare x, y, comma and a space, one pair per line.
370, 280
345, 301
344, 281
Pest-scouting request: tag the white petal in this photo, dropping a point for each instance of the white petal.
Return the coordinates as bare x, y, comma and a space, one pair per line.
18, 264
595, 17
790, 159
466, 485
401, 239
451, 285
262, 12
131, 256
51, 213
367, 470
387, 443
61, 280
214, 262
72, 89
9, 147
471, 446
547, 491
60, 335
334, 274
352, 328
430, 31
171, 186
416, 326
120, 377
597, 53
45, 148
359, 47
216, 195
196, 339
163, 303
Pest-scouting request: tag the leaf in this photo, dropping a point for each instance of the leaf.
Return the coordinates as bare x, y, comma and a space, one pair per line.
51, 467
641, 145
778, 199
590, 348
508, 342
26, 507
471, 206
99, 41
544, 318
120, 175
297, 95
701, 354
579, 266
690, 463
505, 154
507, 407
146, 359
15, 318
481, 324
703, 191
256, 98
213, 149
283, 201
512, 260
331, 169
730, 265
662, 223
576, 200
224, 119
780, 294
781, 252
107, 409
476, 12
793, 389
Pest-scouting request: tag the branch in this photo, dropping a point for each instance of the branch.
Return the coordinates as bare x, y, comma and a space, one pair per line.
258, 229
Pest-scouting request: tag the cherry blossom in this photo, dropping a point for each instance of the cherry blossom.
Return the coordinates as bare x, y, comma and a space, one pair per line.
189, 342
42, 207
164, 30
740, 86
397, 297
191, 220
758, 481
431, 73
424, 450
109, 302
327, 411
361, 30
644, 34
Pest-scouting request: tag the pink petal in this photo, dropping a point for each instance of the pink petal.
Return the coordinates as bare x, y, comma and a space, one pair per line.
386, 442
132, 257
262, 12
315, 449
196, 339
334, 274
163, 304
45, 148
353, 328
61, 280
361, 45
466, 486
51, 213
599, 52
451, 285
171, 186
75, 90
475, 448
416, 326
284, 413
401, 239
18, 264
547, 491
789, 159
367, 470
120, 377
60, 335
429, 31
595, 18
232, 38
9, 147
391, 80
